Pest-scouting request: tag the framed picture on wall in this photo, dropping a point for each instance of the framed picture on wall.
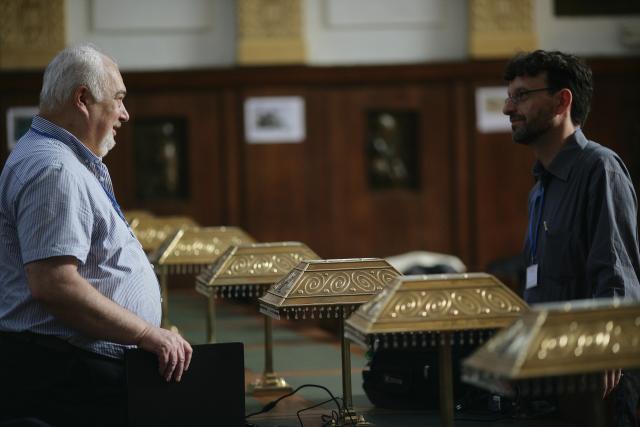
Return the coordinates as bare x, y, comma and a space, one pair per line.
274, 119
489, 116
18, 123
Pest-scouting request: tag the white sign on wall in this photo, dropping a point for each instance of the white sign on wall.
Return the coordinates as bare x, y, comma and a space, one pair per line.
489, 116
274, 119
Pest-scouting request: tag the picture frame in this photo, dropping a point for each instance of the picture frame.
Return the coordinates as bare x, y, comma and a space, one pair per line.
18, 123
274, 119
489, 104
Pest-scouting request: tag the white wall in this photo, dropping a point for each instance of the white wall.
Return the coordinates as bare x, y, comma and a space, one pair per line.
598, 36
154, 34
154, 43
390, 31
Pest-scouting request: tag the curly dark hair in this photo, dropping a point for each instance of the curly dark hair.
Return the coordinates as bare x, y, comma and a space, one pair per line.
563, 71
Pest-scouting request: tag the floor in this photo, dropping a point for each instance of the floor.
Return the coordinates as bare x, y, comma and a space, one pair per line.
303, 354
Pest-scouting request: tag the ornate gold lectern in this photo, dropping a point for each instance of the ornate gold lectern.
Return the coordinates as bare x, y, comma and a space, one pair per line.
189, 251
550, 348
435, 310
133, 216
152, 231
248, 271
561, 351
333, 289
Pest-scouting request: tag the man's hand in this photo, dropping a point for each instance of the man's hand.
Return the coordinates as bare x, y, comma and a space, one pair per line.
173, 351
610, 381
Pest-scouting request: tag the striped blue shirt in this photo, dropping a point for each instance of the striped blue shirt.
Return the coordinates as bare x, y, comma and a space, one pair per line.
56, 199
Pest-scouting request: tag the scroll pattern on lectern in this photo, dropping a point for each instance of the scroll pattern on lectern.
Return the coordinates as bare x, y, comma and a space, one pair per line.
445, 304
203, 246
152, 234
243, 265
345, 282
620, 337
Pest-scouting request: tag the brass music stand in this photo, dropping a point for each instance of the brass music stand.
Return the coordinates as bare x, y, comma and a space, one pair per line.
152, 231
189, 251
248, 271
435, 310
333, 289
550, 348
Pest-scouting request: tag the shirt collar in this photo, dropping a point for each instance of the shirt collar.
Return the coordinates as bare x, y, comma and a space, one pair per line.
562, 164
44, 126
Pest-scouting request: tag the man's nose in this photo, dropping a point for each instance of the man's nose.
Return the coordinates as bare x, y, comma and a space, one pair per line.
124, 114
508, 107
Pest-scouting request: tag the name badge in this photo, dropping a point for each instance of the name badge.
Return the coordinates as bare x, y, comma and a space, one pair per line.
532, 276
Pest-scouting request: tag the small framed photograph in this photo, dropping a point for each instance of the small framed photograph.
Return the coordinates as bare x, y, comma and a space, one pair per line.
18, 123
489, 116
275, 119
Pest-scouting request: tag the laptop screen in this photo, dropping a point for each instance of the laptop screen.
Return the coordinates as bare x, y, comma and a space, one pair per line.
211, 392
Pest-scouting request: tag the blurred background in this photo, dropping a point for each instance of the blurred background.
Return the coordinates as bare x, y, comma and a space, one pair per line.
363, 128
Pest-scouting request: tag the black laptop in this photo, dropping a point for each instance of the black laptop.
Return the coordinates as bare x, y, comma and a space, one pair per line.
211, 392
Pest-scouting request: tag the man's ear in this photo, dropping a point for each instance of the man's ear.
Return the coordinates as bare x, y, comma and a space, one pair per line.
81, 99
565, 99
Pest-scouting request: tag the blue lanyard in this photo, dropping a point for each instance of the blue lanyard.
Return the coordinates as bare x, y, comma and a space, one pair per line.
538, 202
110, 195
114, 203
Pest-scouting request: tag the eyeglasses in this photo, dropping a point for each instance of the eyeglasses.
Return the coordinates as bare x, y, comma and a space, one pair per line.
518, 97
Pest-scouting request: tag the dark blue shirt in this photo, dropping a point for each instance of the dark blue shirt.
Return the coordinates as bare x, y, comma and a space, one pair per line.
587, 244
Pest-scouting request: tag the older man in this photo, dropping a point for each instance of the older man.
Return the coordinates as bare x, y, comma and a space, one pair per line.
76, 288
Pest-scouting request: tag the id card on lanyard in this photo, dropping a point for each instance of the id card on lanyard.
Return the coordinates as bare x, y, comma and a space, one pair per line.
536, 208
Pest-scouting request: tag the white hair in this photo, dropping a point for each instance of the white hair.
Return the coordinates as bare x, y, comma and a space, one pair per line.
80, 65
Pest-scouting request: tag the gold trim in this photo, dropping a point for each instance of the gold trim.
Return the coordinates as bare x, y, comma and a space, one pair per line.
151, 231
435, 303
197, 245
251, 265
335, 287
557, 340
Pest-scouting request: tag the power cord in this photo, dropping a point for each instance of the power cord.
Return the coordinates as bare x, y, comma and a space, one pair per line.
334, 415
315, 406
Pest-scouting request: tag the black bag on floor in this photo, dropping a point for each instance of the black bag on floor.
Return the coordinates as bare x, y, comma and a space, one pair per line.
408, 378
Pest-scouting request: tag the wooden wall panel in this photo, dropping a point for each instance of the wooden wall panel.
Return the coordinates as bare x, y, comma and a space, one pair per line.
206, 168
501, 186
284, 190
387, 222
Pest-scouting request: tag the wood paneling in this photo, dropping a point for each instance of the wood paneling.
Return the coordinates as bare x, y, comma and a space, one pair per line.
285, 190
201, 112
471, 198
386, 222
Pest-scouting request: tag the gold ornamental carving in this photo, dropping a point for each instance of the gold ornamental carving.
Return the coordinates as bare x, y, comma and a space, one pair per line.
31, 32
435, 303
337, 286
153, 231
501, 28
559, 348
197, 245
248, 268
444, 304
270, 32
564, 339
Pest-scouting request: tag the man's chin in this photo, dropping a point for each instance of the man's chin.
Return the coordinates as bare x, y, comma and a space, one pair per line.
107, 145
521, 136
521, 140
